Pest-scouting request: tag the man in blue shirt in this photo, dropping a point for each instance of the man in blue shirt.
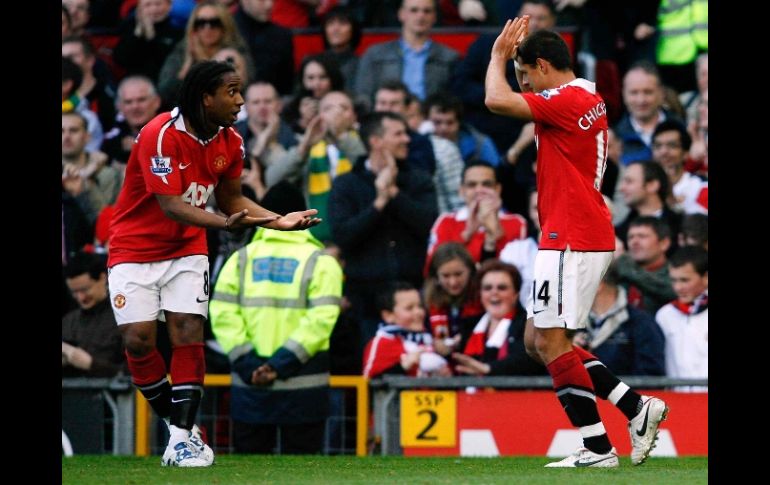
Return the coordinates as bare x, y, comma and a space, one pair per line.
423, 65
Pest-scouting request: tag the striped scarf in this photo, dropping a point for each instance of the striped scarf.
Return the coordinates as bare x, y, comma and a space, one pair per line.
69, 104
320, 184
479, 341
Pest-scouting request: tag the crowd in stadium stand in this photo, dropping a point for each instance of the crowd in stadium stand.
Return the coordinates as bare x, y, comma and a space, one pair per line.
451, 218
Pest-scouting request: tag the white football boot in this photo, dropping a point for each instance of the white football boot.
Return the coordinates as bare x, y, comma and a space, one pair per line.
183, 454
643, 428
583, 457
204, 451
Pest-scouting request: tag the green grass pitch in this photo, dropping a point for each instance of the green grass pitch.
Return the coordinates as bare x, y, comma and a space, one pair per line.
247, 469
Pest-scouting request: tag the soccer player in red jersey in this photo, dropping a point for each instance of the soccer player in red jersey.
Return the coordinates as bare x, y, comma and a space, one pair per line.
158, 264
577, 239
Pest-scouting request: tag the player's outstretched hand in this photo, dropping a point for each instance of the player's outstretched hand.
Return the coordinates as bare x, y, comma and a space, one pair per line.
294, 221
239, 220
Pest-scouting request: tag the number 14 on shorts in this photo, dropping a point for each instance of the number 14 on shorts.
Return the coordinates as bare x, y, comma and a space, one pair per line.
540, 296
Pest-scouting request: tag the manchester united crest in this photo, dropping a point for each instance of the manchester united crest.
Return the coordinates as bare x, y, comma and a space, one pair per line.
119, 301
219, 163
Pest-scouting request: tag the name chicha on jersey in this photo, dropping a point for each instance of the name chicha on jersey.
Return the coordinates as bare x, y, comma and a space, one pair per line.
160, 166
593, 114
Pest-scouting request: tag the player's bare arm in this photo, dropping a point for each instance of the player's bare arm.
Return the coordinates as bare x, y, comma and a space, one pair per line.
500, 98
230, 199
244, 212
176, 209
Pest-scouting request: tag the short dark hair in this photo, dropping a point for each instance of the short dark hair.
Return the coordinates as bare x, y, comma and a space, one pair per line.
88, 48
654, 171
79, 116
696, 226
386, 300
395, 85
647, 67
82, 263
71, 72
203, 78
372, 125
673, 125
290, 111
478, 163
547, 45
695, 255
345, 14
659, 226
444, 103
495, 265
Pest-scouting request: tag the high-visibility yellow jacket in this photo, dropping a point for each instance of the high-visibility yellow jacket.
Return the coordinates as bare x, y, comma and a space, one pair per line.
276, 301
683, 30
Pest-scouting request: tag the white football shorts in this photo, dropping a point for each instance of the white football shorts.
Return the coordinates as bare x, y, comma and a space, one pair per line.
140, 291
564, 287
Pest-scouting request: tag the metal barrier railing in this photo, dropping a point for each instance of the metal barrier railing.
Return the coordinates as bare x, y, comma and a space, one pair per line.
116, 396
520, 382
131, 414
359, 383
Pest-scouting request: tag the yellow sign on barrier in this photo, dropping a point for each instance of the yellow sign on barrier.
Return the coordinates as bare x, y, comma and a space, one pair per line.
428, 418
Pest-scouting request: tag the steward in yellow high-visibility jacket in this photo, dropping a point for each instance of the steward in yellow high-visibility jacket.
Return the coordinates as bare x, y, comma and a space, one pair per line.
276, 302
683, 31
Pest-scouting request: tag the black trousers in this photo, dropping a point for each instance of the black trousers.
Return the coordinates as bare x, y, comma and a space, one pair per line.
295, 439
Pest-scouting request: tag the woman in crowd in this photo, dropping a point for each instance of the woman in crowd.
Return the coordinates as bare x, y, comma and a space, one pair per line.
318, 74
451, 296
210, 28
341, 36
496, 346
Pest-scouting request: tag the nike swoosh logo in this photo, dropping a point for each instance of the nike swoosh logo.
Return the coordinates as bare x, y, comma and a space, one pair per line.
641, 431
589, 463
182, 167
200, 301
180, 400
535, 312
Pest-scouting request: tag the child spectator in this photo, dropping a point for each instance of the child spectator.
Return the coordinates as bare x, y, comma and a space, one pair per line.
685, 321
402, 345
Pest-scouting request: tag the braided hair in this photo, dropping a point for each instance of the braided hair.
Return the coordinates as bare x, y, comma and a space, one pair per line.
204, 78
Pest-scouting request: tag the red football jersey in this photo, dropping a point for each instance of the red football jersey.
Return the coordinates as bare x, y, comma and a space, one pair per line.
168, 160
571, 136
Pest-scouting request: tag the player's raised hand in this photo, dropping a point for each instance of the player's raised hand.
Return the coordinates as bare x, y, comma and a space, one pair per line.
513, 34
296, 221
